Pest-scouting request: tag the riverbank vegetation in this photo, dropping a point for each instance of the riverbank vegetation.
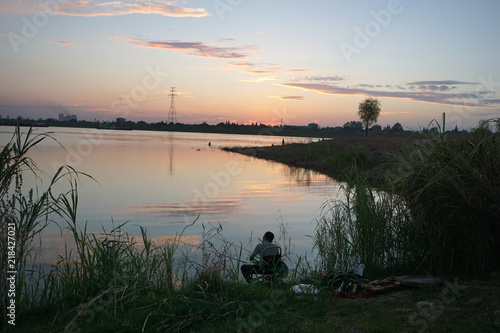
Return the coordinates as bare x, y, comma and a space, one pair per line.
312, 130
439, 208
334, 157
437, 214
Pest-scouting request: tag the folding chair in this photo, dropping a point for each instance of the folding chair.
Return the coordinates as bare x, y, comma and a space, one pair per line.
273, 269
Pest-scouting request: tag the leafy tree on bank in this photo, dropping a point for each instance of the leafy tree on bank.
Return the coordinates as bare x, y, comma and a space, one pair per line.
397, 128
353, 126
368, 111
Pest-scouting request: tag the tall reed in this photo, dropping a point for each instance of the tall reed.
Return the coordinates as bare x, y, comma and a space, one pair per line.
365, 226
451, 184
25, 212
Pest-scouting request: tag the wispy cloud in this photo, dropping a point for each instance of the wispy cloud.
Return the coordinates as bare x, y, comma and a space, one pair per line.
444, 82
88, 8
491, 101
261, 79
60, 42
435, 92
241, 63
290, 98
197, 49
323, 78
276, 71
262, 71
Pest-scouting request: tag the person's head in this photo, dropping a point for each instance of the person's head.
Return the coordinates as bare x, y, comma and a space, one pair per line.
268, 236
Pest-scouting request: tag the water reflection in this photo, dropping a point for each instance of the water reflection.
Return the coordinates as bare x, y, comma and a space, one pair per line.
182, 212
171, 154
301, 175
315, 182
164, 181
189, 240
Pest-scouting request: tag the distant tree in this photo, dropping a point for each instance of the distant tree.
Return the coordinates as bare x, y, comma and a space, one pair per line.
368, 111
376, 128
353, 126
397, 128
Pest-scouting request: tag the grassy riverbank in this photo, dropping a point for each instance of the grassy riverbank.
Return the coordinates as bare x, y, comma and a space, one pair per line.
438, 215
207, 305
334, 157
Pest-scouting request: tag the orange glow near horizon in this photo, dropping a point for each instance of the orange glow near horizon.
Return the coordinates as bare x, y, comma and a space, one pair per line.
230, 66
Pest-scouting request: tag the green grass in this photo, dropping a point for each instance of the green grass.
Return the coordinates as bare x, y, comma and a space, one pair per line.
438, 211
368, 226
451, 185
112, 282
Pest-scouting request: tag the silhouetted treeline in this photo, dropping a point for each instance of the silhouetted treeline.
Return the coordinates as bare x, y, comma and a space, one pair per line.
311, 130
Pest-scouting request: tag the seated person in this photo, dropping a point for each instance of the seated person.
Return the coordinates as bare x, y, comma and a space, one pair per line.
248, 270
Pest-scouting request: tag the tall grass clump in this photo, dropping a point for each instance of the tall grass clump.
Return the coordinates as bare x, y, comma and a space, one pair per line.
451, 185
365, 226
24, 214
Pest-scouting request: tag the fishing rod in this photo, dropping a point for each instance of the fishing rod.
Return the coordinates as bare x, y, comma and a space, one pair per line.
200, 247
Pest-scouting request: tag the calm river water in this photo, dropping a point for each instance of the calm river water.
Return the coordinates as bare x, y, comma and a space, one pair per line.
164, 180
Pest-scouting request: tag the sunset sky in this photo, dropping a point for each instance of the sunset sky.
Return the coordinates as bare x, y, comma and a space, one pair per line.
251, 60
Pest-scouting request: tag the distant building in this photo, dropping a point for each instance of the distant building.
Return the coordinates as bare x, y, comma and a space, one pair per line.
63, 117
120, 120
313, 126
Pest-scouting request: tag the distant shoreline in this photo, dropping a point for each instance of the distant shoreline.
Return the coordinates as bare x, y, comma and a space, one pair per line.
221, 128
334, 157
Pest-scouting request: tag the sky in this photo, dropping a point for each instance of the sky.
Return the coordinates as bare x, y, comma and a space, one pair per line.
275, 61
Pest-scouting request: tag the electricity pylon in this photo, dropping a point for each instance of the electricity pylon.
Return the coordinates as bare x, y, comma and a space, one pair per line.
172, 117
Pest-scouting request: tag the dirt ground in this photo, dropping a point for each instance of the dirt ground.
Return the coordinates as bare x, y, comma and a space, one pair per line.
458, 305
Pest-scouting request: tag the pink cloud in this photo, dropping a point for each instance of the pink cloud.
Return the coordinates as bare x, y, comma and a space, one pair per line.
470, 99
290, 98
60, 42
114, 8
198, 49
